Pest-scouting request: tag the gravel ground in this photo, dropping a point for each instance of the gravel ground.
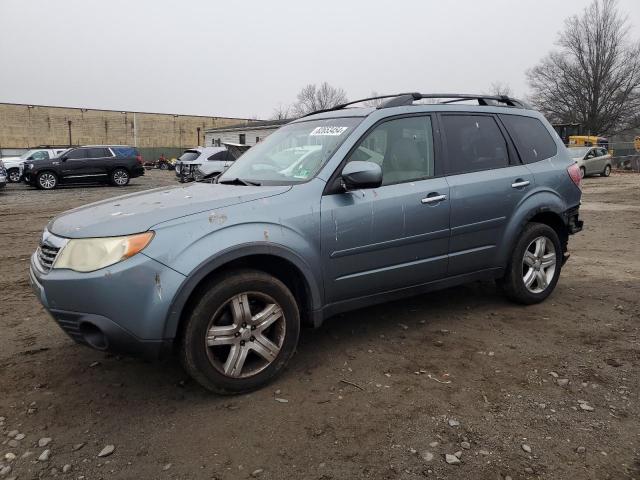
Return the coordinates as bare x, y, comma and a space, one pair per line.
454, 384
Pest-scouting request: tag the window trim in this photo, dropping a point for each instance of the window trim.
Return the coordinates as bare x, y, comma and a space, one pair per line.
511, 153
333, 185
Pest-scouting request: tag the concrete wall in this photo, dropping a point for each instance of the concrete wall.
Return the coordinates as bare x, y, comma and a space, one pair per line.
24, 126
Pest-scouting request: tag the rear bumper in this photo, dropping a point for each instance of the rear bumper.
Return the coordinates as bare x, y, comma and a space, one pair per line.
572, 220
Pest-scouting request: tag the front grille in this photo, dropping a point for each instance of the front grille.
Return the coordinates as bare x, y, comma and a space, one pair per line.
50, 246
47, 255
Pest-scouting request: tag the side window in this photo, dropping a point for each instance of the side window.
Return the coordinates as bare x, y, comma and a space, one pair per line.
106, 153
40, 155
221, 156
403, 148
532, 139
95, 152
474, 142
77, 154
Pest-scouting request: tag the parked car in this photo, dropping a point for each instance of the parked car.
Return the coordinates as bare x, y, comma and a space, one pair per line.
217, 159
209, 170
114, 164
592, 160
3, 175
389, 202
15, 165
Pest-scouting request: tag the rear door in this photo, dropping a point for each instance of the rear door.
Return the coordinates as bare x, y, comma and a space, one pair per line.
487, 182
99, 162
394, 236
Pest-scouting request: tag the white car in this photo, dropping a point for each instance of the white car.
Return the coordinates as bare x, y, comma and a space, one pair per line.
217, 159
592, 160
15, 165
3, 175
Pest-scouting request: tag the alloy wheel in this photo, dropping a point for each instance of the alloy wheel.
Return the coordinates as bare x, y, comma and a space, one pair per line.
14, 176
245, 335
120, 177
47, 181
539, 264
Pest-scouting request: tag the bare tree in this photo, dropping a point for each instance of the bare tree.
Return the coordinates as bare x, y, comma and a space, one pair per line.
312, 98
594, 76
500, 88
375, 103
281, 112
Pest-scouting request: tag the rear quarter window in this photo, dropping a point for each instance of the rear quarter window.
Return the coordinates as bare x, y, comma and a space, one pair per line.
532, 139
125, 152
189, 155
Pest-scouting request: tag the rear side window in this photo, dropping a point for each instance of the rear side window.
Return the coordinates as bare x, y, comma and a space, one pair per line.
77, 154
124, 152
532, 139
474, 142
96, 152
189, 155
218, 156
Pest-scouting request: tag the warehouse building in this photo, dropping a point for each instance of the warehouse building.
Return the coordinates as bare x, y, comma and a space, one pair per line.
26, 126
243, 134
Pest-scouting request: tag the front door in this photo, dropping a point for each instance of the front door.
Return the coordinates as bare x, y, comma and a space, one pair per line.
487, 183
74, 164
396, 235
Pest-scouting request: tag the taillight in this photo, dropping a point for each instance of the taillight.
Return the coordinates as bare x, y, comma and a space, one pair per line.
574, 173
139, 159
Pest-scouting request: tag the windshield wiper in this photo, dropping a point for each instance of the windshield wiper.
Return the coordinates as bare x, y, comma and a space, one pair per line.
239, 181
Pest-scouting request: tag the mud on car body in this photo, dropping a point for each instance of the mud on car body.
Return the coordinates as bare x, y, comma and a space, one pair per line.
337, 210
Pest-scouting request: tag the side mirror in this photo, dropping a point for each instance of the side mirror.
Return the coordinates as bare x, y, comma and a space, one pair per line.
359, 174
63, 158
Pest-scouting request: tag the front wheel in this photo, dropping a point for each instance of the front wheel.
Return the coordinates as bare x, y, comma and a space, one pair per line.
241, 332
46, 181
13, 174
607, 171
535, 264
119, 177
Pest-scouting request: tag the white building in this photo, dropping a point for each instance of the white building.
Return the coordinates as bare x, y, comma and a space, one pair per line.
242, 134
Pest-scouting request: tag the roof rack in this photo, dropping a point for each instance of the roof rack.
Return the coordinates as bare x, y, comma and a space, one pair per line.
403, 99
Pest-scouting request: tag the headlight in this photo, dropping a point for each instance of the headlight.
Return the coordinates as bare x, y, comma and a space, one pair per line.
89, 254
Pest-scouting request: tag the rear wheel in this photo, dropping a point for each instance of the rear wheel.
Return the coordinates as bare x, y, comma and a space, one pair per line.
607, 171
46, 181
164, 166
119, 177
14, 175
535, 264
241, 332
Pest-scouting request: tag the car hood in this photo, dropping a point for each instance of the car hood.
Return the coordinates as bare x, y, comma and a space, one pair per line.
139, 212
11, 160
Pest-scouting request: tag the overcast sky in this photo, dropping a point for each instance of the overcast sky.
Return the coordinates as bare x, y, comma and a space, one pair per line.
243, 58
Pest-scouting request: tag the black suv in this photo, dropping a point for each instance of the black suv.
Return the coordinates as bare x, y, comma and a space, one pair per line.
115, 164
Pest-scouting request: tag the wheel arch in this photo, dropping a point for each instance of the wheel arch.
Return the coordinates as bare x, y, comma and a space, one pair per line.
279, 262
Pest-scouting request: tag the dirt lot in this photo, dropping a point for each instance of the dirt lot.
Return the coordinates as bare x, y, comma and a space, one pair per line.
456, 371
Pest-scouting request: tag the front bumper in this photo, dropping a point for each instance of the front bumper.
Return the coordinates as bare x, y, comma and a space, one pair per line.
121, 308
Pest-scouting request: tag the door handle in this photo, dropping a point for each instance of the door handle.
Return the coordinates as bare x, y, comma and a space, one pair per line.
520, 183
434, 199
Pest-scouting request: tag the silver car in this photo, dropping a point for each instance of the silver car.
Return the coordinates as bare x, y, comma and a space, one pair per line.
592, 160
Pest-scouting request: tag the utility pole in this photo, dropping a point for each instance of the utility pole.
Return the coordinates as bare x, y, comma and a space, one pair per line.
135, 131
69, 125
198, 144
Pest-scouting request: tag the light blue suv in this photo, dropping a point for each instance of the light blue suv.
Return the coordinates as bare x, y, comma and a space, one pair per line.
335, 211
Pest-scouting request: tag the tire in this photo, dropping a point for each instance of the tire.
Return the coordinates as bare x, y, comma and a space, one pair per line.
13, 175
532, 268
46, 180
236, 360
583, 172
164, 166
607, 171
119, 177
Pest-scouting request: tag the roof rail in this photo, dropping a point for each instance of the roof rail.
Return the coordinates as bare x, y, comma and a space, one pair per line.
402, 99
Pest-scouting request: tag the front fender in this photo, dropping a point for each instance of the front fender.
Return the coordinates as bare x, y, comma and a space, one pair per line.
539, 201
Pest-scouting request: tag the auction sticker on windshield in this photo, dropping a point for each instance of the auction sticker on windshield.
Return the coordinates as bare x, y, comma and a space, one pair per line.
334, 131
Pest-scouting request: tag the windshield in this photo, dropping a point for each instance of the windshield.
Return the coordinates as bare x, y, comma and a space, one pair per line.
189, 155
578, 152
294, 153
